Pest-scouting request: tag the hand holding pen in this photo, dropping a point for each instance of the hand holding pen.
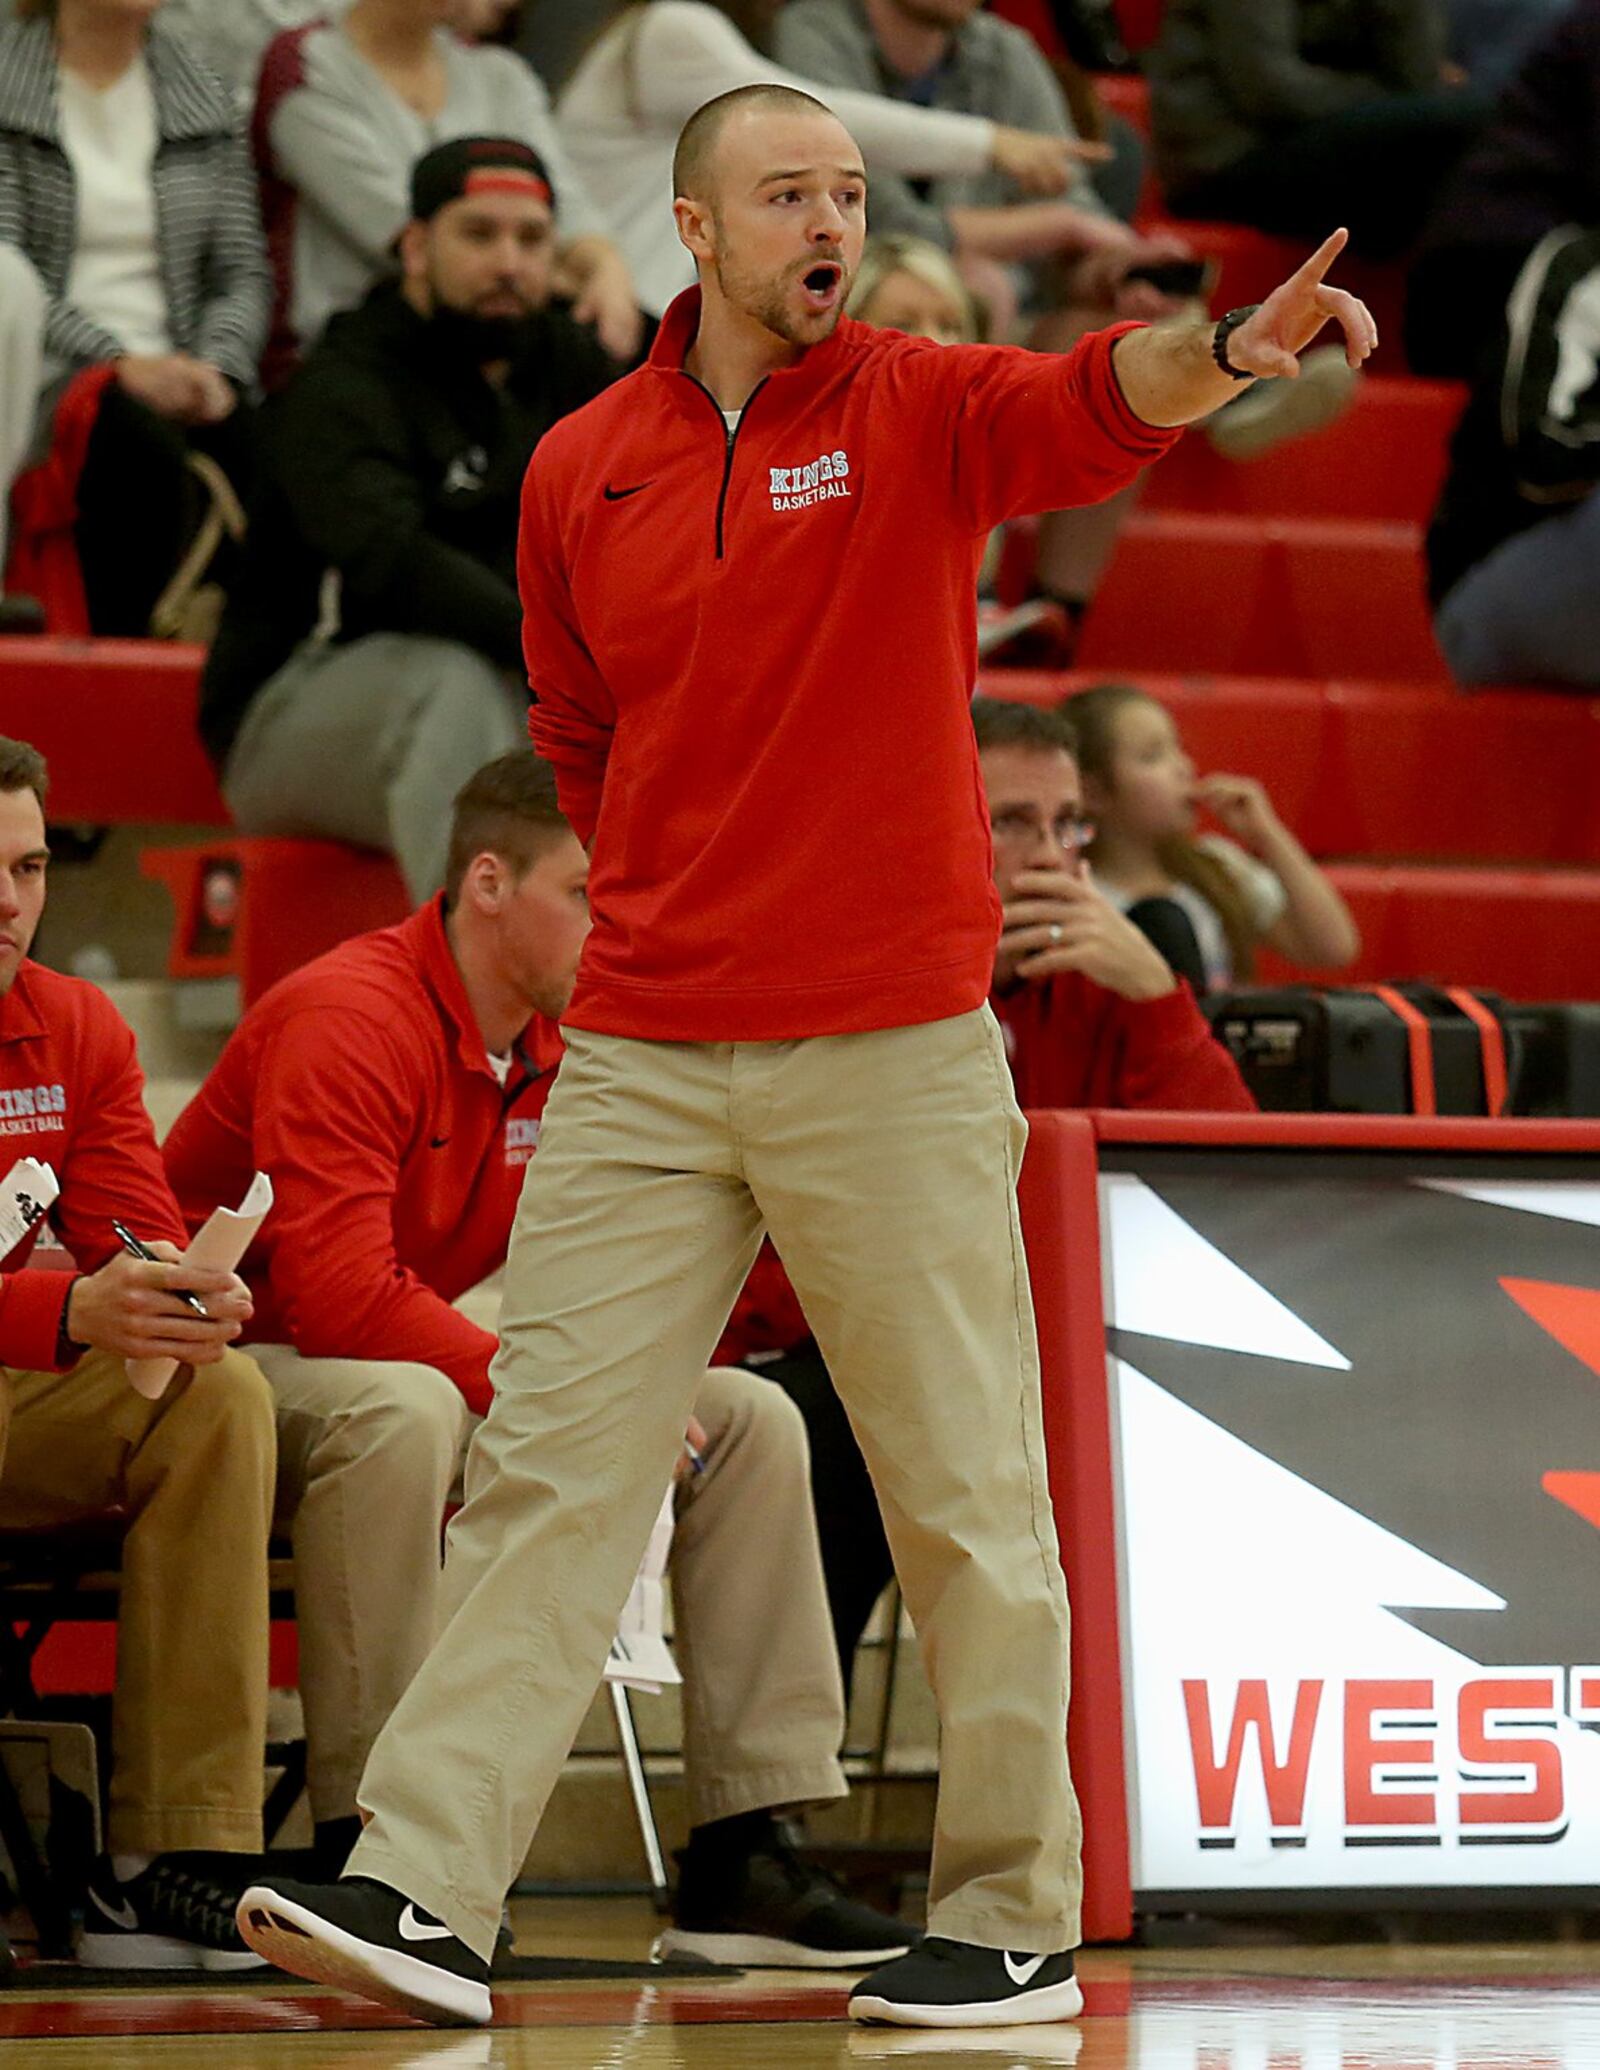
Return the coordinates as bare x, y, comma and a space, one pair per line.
144, 1303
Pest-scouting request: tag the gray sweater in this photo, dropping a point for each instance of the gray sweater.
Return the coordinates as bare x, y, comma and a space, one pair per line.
1228, 75
993, 69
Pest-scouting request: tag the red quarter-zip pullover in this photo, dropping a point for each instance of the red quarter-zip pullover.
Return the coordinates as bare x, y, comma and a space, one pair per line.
360, 1084
753, 655
71, 1095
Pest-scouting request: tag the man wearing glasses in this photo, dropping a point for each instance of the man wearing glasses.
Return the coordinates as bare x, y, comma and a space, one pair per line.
1092, 1013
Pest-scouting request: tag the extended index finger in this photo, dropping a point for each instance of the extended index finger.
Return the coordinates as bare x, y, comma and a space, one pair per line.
1320, 260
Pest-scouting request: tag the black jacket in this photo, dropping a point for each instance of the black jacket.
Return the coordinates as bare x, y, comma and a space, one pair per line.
391, 462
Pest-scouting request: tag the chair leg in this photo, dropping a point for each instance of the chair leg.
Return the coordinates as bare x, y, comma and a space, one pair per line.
36, 1886
639, 1787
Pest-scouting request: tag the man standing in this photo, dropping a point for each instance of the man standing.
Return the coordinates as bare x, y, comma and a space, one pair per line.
748, 583
190, 1473
394, 1089
368, 660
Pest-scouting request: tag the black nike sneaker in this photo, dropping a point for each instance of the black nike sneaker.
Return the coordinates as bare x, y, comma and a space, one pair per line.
176, 1914
359, 1935
954, 1984
770, 1910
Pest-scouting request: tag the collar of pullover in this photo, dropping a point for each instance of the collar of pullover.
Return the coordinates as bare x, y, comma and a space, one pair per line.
682, 321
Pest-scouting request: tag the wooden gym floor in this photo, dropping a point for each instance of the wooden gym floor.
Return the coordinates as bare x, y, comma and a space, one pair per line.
1518, 2007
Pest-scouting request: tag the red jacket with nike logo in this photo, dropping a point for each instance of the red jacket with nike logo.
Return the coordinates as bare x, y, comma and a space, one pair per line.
753, 656
360, 1084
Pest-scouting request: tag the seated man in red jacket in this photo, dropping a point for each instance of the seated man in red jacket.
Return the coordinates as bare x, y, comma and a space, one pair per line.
1092, 1017
190, 1475
393, 1089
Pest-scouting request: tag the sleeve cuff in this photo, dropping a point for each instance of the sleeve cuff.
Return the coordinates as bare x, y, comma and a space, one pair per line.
33, 1321
1155, 439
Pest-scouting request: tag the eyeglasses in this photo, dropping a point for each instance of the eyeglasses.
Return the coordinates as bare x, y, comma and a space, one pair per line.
1015, 829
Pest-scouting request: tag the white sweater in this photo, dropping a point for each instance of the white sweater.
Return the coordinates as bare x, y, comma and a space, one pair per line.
624, 106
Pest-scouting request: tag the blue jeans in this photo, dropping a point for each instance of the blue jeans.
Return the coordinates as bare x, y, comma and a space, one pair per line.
1530, 611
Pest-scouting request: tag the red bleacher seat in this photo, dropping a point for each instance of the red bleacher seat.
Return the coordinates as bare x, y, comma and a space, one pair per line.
1251, 264
1239, 596
115, 719
1384, 460
295, 899
1528, 934
1388, 769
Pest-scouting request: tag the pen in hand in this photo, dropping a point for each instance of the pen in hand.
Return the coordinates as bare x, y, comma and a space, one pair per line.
135, 1249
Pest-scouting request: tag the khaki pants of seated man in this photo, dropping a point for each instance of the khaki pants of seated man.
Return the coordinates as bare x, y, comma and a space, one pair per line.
194, 1474
369, 1453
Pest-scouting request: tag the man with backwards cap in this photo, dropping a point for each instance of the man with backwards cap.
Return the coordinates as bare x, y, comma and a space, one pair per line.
369, 659
748, 579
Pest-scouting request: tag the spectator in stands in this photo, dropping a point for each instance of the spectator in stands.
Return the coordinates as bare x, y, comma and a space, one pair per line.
1071, 252
354, 709
190, 1475
394, 1088
906, 284
1092, 1017
622, 109
1295, 115
129, 243
1514, 539
1226, 893
344, 109
1536, 168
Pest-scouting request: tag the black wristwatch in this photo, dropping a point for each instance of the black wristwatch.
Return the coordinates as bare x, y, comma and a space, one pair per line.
1223, 332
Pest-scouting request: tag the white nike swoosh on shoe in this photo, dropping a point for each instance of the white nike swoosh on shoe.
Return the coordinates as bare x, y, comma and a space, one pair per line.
120, 1914
1024, 1972
412, 1928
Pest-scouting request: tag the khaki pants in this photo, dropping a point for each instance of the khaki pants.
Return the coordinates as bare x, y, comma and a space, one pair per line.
194, 1472
885, 1166
368, 1453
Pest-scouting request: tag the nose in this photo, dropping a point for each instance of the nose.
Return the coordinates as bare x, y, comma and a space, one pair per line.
10, 899
828, 225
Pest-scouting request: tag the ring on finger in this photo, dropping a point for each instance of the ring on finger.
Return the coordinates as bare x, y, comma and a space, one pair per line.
1056, 931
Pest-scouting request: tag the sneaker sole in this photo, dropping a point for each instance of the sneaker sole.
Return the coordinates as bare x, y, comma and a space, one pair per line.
159, 1951
756, 1951
307, 1945
1026, 2009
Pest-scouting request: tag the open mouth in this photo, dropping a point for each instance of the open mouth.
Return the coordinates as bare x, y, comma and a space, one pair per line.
821, 283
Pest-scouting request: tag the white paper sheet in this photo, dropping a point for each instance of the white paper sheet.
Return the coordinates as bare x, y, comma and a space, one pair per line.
219, 1245
26, 1193
640, 1657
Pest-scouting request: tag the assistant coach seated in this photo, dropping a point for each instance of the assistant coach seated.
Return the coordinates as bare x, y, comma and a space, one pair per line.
394, 1089
189, 1476
1092, 1017
370, 656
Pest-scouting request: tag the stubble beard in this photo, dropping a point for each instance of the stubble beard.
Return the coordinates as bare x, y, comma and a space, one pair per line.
765, 300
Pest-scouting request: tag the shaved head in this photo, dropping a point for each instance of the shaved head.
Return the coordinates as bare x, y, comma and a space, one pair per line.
697, 145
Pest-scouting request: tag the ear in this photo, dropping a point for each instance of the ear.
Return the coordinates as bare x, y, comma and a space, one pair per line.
694, 227
486, 882
414, 251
